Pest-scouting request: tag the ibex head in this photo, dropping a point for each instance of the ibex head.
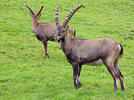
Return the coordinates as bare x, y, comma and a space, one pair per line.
32, 14
62, 29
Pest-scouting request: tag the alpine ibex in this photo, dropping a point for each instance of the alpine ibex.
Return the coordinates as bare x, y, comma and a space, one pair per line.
44, 31
85, 51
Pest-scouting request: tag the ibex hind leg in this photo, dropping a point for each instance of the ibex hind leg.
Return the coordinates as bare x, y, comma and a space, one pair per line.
110, 66
120, 75
45, 48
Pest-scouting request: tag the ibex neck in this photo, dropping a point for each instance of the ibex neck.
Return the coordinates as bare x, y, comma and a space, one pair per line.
66, 43
35, 24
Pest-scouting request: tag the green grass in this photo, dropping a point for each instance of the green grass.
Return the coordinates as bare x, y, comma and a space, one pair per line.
25, 74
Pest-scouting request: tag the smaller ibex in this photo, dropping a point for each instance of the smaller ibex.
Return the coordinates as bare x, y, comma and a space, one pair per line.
44, 31
85, 51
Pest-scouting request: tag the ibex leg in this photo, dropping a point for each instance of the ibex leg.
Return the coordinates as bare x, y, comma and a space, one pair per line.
75, 73
110, 66
78, 76
45, 48
120, 75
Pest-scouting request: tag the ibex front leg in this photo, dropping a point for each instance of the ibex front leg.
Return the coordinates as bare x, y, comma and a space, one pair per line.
75, 74
45, 48
78, 76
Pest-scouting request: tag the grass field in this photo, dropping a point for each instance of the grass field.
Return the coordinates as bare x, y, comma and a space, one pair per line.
25, 73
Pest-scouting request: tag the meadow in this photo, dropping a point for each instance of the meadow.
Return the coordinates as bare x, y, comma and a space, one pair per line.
25, 73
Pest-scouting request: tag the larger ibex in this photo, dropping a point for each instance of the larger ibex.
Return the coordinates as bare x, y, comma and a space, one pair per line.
44, 31
85, 51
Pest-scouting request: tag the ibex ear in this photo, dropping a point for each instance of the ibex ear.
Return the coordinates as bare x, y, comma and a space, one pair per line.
38, 17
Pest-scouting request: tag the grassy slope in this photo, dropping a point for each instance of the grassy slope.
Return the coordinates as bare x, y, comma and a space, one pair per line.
25, 73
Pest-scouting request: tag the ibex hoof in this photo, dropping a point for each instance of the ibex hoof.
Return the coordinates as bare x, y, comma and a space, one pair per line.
115, 89
47, 56
79, 84
75, 87
123, 89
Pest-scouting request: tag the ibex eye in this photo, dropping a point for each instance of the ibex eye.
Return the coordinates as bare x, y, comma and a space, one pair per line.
63, 30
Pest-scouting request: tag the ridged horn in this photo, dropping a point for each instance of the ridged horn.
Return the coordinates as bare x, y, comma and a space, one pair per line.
39, 10
29, 8
69, 16
57, 19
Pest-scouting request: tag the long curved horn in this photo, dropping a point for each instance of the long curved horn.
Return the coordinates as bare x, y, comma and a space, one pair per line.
57, 19
39, 10
69, 16
29, 8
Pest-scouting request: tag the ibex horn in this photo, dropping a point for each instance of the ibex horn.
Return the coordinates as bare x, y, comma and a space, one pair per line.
69, 16
57, 19
29, 8
40, 10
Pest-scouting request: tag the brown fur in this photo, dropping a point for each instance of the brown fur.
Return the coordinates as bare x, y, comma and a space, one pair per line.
44, 31
83, 51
